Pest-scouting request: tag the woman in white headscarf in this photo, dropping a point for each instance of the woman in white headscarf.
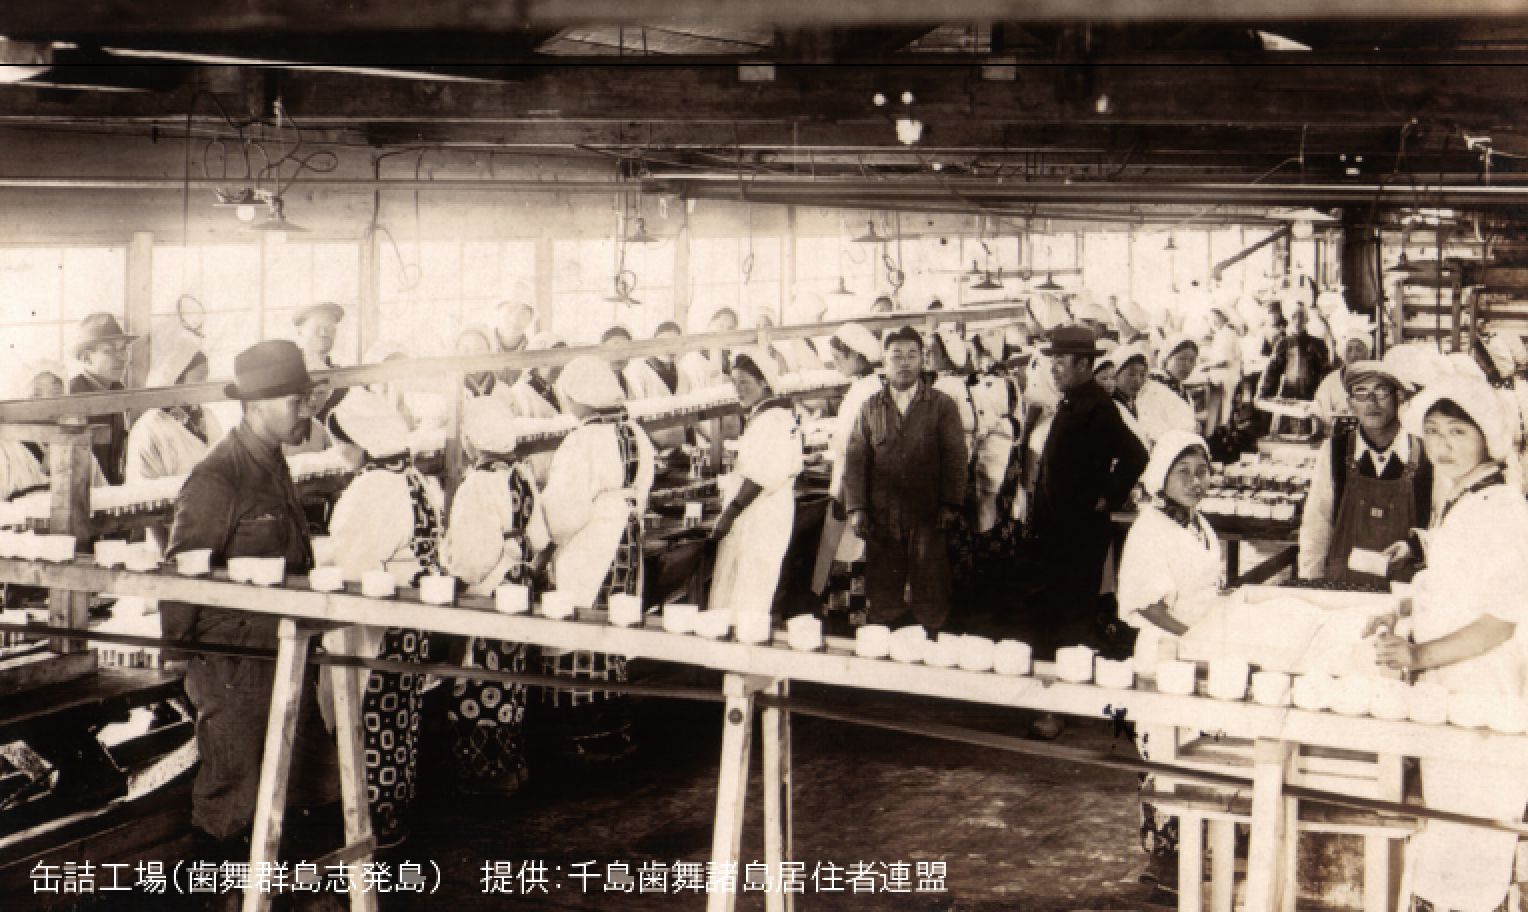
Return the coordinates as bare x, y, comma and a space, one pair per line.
170, 442
24, 466
1168, 572
594, 500
389, 518
1470, 607
755, 527
1163, 403
497, 534
841, 553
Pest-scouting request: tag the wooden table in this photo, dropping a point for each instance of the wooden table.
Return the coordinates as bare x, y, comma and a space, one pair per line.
1232, 530
751, 671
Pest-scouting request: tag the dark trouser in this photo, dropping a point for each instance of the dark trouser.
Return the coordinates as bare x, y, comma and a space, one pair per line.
1066, 606
907, 572
233, 704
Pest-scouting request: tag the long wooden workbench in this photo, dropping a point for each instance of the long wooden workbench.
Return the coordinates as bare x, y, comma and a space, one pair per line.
754, 670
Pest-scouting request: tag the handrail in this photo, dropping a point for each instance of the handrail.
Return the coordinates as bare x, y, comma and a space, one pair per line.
88, 404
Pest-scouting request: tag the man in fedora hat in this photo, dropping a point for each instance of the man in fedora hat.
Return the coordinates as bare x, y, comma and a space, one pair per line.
240, 502
102, 349
1089, 465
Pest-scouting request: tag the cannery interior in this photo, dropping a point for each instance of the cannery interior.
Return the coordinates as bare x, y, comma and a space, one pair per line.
1009, 456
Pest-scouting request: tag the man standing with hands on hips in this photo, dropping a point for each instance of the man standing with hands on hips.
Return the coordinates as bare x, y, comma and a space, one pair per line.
240, 502
904, 485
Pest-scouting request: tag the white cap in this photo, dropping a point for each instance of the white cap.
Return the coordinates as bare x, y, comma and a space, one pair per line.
1169, 447
1478, 400
372, 422
857, 338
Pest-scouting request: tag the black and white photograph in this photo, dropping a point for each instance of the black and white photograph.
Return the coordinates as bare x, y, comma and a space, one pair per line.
661, 455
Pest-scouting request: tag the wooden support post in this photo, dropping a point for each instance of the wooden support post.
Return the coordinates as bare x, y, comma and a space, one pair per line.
140, 310
682, 288
1190, 863
790, 268
1222, 865
777, 797
276, 761
1380, 874
546, 268
732, 789
1267, 862
70, 466
370, 316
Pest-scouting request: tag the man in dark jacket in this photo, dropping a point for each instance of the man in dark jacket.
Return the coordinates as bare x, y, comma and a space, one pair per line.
1299, 362
904, 484
1089, 465
240, 502
102, 348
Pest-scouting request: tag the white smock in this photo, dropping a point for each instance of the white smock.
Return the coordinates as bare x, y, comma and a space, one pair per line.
587, 504
985, 408
493, 529
748, 560
1164, 562
1331, 399
159, 446
525, 402
850, 546
1477, 561
642, 382
1162, 410
1226, 347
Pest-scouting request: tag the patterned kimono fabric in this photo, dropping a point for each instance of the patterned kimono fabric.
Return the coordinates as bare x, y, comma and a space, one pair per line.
487, 717
595, 725
390, 708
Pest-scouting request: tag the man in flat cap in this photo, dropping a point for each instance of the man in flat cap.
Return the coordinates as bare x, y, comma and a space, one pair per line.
1088, 467
102, 349
240, 502
904, 486
317, 326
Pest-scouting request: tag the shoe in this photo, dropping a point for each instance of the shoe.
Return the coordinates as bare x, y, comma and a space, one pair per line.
1048, 727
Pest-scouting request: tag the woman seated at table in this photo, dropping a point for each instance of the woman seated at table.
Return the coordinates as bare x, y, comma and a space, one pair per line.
594, 500
755, 526
1470, 601
497, 534
169, 442
389, 518
1169, 570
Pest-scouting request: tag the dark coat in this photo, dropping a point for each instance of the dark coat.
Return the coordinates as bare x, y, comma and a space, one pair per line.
903, 468
1296, 368
1089, 454
111, 455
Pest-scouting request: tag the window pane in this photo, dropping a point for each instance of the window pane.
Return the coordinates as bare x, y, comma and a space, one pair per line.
95, 281
231, 278
31, 285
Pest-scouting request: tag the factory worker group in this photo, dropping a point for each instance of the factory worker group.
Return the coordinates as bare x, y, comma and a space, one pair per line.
975, 475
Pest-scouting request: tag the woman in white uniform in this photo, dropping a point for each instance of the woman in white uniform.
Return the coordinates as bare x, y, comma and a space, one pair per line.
1130, 376
754, 530
857, 352
1169, 570
1471, 602
169, 442
594, 500
390, 518
497, 534
24, 466
1163, 403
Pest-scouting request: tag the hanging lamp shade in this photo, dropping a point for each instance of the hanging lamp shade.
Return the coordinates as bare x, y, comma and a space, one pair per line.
640, 236
1172, 242
975, 272
987, 284
870, 236
276, 219
1048, 285
842, 289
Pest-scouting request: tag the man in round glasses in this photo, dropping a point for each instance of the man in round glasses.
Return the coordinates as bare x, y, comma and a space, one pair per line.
1372, 486
102, 349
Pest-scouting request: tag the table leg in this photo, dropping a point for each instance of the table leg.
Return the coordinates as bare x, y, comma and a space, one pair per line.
1266, 859
732, 789
1222, 865
276, 762
352, 754
1233, 559
777, 796
1190, 863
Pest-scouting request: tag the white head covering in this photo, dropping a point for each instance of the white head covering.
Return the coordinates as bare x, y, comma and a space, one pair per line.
1049, 312
544, 341
21, 376
955, 347
1416, 364
1501, 355
1086, 307
490, 424
1168, 449
372, 422
1126, 352
1174, 342
1135, 315
1478, 400
763, 360
857, 338
171, 357
1518, 349
589, 381
1463, 364
1350, 333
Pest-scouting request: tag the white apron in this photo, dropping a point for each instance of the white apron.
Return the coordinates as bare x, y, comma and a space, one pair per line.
587, 505
748, 560
160, 446
838, 542
1162, 561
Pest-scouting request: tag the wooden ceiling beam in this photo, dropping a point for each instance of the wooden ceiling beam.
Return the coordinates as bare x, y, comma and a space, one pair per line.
26, 18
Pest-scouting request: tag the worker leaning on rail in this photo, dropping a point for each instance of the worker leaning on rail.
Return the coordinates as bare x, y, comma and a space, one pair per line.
240, 502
